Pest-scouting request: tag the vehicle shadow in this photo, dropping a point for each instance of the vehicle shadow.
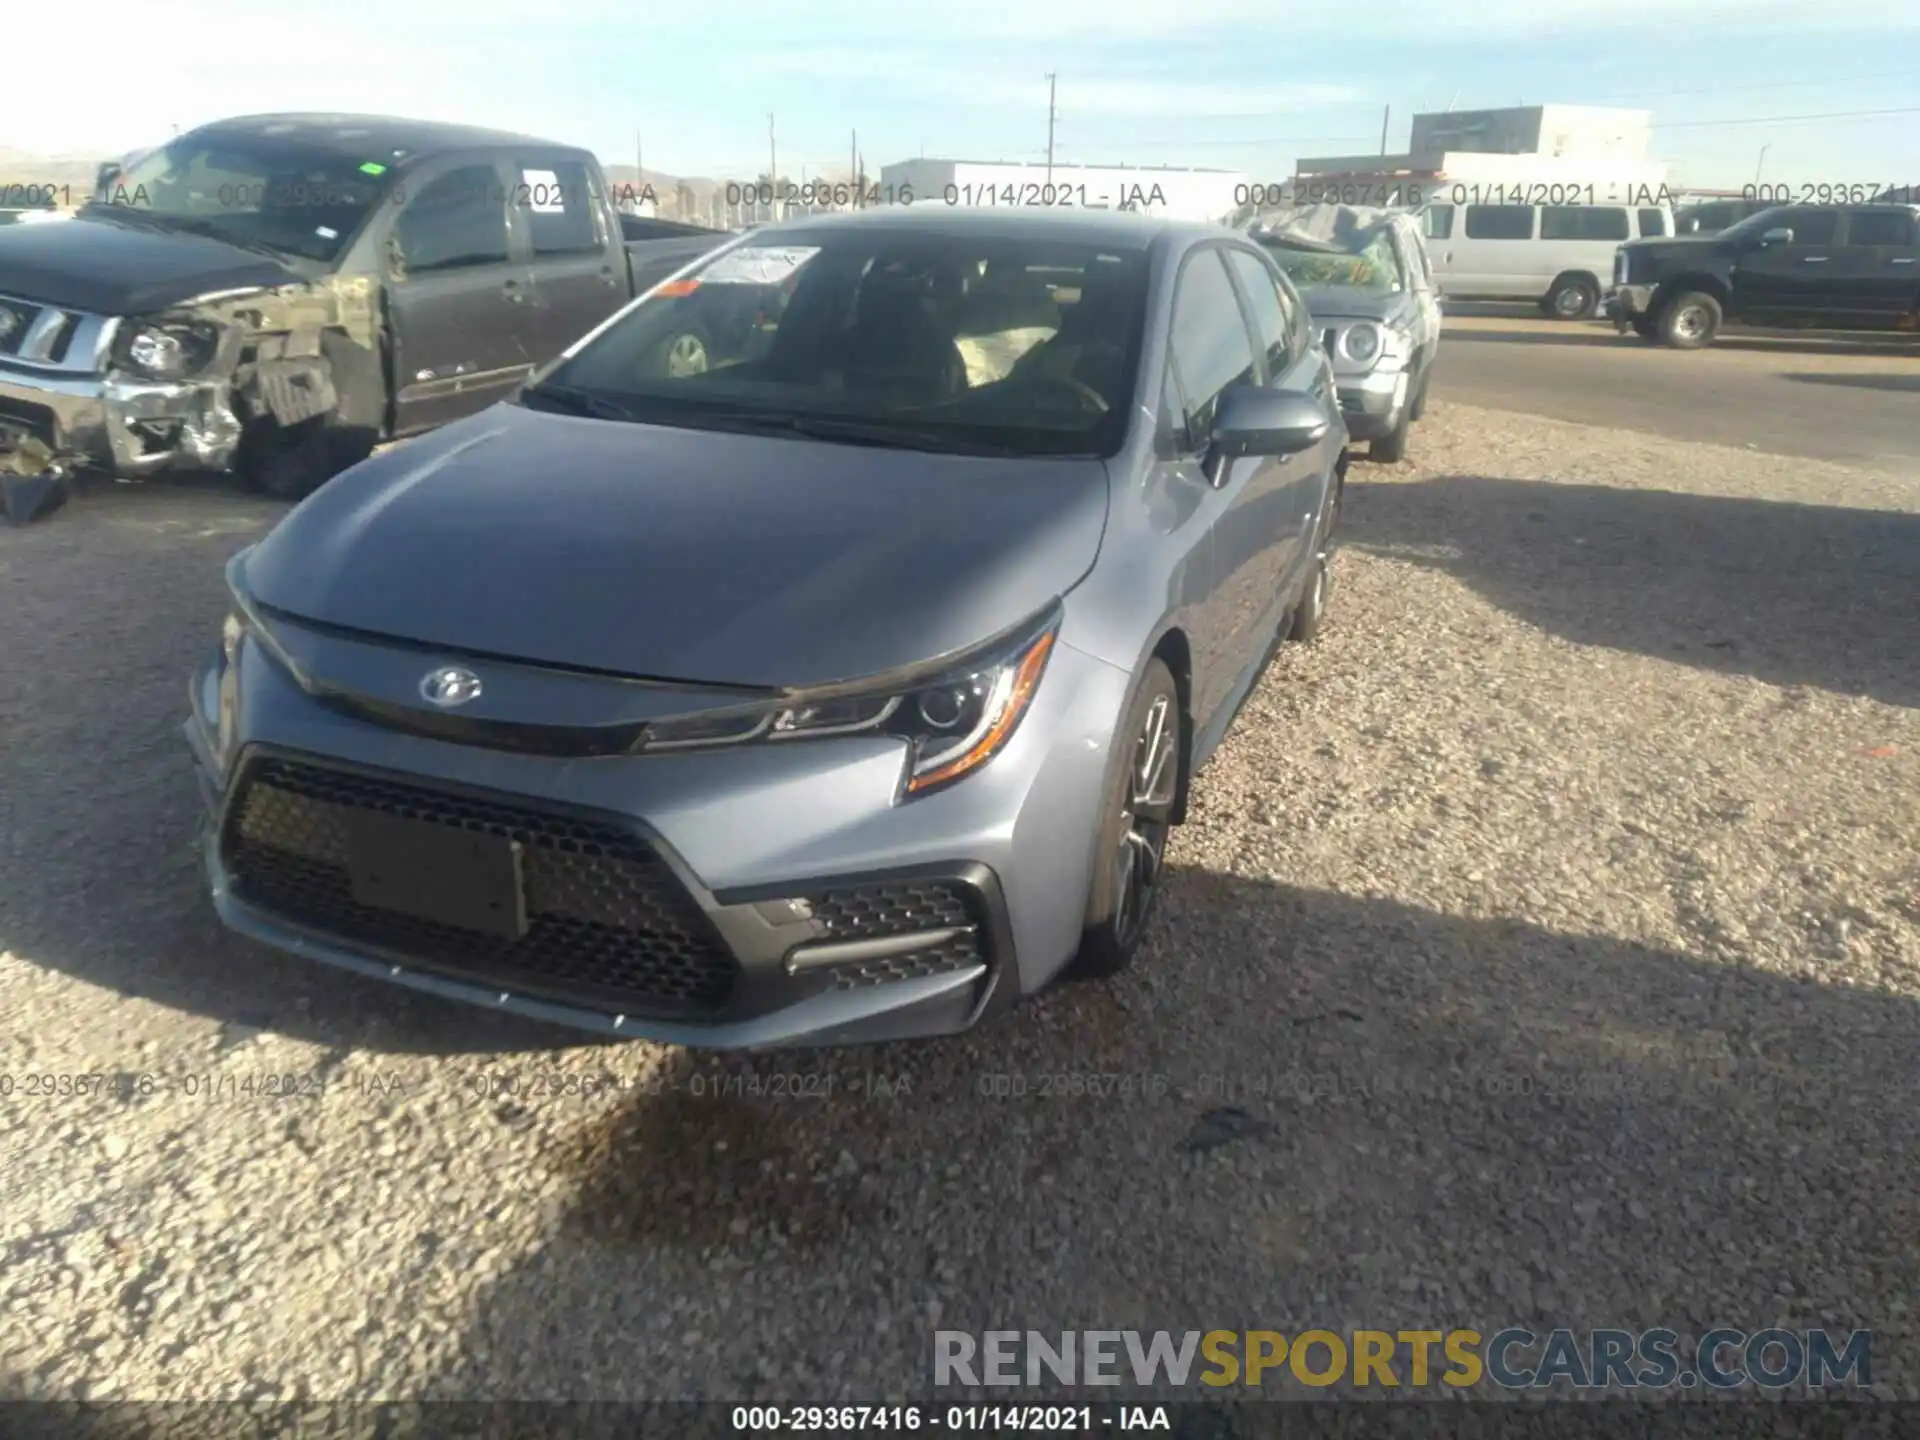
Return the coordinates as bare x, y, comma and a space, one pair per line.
104, 611
1768, 343
1909, 384
1789, 594
1574, 1129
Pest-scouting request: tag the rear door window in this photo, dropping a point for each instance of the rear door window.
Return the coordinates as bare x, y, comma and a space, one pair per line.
1891, 228
1653, 222
1499, 222
1437, 222
1583, 222
1272, 319
562, 206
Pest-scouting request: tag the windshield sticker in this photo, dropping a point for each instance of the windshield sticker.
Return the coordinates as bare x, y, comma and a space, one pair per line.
541, 189
373, 167
758, 265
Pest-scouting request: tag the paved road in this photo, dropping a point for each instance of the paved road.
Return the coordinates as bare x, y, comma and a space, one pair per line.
1854, 400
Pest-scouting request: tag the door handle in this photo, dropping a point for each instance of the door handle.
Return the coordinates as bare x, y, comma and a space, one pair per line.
1813, 259
1902, 260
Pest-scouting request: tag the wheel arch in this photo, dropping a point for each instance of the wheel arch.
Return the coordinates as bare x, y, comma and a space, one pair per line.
1706, 284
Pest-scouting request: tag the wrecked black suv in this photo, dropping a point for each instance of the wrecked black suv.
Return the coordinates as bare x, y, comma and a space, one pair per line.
277, 294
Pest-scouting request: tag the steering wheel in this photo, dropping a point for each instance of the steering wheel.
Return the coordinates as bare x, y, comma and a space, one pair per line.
1083, 392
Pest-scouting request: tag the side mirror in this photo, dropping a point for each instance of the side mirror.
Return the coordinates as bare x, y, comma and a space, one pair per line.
1252, 421
1779, 235
396, 258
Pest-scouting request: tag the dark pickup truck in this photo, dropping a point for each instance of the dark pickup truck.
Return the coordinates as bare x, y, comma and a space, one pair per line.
1835, 267
277, 294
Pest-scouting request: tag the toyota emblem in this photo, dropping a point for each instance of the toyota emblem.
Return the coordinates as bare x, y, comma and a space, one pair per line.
450, 685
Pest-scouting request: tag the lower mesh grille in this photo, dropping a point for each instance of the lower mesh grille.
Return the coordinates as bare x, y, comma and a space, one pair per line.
902, 909
608, 922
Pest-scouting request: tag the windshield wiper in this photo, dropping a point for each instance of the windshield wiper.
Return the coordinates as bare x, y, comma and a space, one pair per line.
575, 401
879, 434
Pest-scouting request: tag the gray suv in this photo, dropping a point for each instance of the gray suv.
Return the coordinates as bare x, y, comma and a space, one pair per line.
1375, 305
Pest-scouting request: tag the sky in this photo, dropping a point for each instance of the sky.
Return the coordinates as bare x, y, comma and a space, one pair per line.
1796, 91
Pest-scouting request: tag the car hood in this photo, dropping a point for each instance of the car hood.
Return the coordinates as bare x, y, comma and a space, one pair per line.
682, 554
1677, 244
114, 267
1343, 302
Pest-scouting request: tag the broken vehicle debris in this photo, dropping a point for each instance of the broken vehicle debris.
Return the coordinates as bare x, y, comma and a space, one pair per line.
276, 295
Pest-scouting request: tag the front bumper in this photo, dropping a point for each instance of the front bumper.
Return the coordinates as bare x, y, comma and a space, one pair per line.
1627, 303
1371, 403
913, 920
113, 422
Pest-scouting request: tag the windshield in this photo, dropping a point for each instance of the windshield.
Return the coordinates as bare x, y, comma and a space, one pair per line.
261, 191
1009, 345
1754, 225
1370, 268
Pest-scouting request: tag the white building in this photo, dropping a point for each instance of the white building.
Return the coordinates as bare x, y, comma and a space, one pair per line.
1585, 145
1174, 192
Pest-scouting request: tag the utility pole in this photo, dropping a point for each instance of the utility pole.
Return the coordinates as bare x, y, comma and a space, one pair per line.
639, 173
853, 159
1386, 115
773, 170
1050, 119
1760, 162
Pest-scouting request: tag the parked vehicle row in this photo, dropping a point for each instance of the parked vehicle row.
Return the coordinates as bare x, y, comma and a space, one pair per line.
278, 294
1854, 267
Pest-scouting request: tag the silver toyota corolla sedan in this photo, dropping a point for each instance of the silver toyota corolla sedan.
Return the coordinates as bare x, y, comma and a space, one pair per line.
840, 688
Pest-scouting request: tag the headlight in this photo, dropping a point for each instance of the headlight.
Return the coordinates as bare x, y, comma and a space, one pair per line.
1362, 343
954, 722
170, 351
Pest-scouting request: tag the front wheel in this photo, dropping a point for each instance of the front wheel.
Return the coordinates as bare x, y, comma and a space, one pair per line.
1312, 609
1573, 297
291, 463
1391, 448
1690, 321
1136, 816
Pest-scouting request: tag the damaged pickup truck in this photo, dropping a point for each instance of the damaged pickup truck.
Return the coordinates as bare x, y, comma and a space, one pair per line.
278, 294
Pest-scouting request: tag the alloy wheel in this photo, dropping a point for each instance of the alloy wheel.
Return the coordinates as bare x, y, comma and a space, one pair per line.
686, 355
1153, 782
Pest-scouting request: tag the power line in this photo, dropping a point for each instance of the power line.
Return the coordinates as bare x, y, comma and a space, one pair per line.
1787, 119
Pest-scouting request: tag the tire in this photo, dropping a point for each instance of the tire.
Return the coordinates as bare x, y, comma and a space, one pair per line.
1391, 448
1573, 297
1311, 612
690, 352
1420, 396
1645, 328
1135, 819
1689, 321
291, 464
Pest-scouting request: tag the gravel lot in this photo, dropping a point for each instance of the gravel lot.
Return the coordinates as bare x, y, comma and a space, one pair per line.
1555, 923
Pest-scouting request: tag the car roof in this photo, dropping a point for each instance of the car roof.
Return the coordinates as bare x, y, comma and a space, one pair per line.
388, 138
1115, 229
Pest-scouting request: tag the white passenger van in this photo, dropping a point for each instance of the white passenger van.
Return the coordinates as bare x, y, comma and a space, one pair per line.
1558, 255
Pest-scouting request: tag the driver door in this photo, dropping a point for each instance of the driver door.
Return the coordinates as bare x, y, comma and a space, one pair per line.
459, 296
1794, 281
